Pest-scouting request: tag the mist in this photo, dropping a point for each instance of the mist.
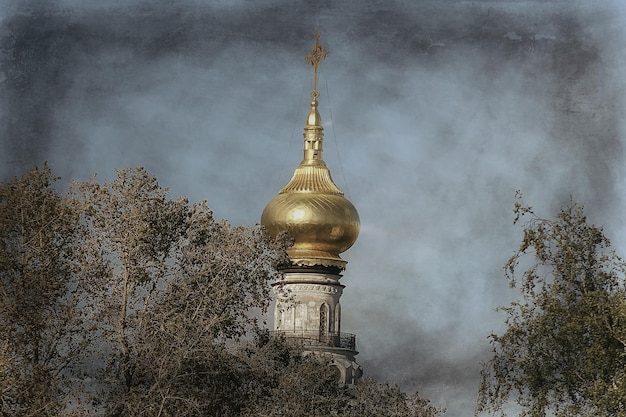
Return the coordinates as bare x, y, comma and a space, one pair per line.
435, 113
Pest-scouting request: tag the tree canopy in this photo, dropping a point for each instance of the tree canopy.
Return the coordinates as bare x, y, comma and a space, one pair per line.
40, 322
563, 351
117, 300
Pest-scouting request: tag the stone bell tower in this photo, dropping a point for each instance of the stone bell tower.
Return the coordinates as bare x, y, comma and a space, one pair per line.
322, 224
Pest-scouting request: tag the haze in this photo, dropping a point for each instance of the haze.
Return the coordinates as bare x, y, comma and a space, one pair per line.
435, 113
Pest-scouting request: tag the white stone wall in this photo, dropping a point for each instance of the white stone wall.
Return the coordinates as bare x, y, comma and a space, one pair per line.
311, 297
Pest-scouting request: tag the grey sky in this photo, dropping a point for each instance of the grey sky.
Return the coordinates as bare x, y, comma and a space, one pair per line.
435, 112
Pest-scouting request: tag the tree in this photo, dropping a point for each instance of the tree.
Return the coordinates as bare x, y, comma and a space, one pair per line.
159, 303
383, 399
289, 383
132, 230
171, 288
40, 316
188, 362
563, 351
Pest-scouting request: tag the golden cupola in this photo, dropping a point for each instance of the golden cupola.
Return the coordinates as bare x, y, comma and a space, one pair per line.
311, 208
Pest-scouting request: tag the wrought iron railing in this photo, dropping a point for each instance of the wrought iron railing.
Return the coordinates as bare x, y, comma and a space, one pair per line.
315, 338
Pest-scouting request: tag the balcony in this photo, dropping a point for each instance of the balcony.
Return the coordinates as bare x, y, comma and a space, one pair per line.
315, 338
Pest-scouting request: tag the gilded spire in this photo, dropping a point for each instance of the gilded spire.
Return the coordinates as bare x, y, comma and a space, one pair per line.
312, 175
313, 135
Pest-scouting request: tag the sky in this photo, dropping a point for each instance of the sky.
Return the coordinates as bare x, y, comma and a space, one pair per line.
435, 113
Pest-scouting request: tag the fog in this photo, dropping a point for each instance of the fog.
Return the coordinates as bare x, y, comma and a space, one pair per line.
435, 113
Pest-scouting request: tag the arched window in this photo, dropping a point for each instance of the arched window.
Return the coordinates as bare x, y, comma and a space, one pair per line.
324, 319
337, 328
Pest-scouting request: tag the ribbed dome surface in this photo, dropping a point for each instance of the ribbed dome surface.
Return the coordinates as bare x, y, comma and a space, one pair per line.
311, 178
321, 225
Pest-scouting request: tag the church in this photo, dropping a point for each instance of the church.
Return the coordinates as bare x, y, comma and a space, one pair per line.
313, 211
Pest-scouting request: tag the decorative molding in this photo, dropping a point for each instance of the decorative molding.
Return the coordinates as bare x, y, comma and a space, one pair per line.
330, 289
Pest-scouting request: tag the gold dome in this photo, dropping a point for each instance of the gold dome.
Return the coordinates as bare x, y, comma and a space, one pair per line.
316, 215
311, 208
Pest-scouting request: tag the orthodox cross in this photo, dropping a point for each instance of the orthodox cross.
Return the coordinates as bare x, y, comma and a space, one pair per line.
315, 57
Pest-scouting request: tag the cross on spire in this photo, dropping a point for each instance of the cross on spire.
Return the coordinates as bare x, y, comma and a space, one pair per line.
315, 57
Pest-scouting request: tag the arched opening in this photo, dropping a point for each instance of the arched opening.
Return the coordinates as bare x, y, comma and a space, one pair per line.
323, 321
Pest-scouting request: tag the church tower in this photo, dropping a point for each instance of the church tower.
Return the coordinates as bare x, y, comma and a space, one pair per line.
323, 224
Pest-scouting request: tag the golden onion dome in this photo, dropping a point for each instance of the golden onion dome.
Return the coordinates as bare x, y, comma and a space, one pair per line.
311, 208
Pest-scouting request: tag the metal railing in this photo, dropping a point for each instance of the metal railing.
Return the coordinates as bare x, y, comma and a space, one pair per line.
316, 338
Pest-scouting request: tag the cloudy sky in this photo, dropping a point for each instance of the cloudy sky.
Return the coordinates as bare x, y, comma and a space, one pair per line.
435, 113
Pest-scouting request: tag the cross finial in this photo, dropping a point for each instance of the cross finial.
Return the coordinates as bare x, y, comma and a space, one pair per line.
315, 57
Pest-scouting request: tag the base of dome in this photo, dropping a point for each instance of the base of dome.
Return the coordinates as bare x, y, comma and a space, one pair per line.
312, 258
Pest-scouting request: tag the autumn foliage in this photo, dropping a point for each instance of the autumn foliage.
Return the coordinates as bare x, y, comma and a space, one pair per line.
117, 300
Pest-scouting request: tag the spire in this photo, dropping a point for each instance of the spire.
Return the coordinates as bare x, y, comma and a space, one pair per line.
313, 131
